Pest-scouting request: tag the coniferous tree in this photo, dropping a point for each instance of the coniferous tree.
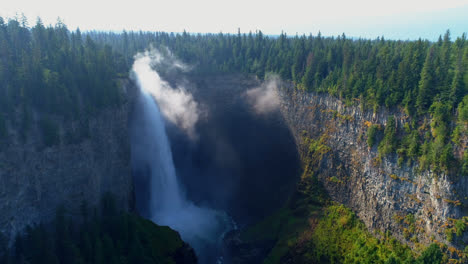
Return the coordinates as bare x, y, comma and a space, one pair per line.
426, 86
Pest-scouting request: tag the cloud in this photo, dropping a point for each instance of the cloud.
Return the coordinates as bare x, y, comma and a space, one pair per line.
175, 103
265, 99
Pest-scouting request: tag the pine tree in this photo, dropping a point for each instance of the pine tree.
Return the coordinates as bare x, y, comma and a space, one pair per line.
426, 88
457, 89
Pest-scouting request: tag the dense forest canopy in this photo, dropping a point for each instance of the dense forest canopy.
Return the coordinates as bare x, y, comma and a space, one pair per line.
105, 236
411, 74
53, 70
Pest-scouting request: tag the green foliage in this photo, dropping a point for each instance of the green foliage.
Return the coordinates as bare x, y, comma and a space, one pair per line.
341, 238
419, 76
449, 234
413, 145
457, 133
427, 82
50, 70
372, 135
437, 150
310, 230
432, 255
109, 237
411, 74
334, 179
337, 237
460, 226
317, 147
460, 133
463, 110
409, 219
409, 146
465, 163
389, 141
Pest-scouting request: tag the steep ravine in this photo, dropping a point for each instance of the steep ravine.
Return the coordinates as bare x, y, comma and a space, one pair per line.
381, 193
82, 166
35, 180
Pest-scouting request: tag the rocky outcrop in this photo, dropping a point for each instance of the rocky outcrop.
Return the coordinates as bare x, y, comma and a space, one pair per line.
35, 180
416, 207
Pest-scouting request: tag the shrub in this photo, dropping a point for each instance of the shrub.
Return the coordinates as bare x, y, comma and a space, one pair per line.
465, 163
371, 135
389, 142
460, 226
449, 234
432, 255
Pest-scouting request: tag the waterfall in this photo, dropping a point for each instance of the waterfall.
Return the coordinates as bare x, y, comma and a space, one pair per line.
201, 227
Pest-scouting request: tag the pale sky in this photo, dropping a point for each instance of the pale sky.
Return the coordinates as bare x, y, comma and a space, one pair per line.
396, 19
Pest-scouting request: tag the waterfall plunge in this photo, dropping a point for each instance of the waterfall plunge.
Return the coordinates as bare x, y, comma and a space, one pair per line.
200, 227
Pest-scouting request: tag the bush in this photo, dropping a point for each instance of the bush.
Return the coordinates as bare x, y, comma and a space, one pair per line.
340, 237
432, 255
389, 142
449, 234
460, 226
371, 135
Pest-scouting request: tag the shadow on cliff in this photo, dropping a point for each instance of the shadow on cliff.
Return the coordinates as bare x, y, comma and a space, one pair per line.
241, 162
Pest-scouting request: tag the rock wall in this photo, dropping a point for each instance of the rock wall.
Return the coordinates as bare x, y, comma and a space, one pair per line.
35, 180
384, 195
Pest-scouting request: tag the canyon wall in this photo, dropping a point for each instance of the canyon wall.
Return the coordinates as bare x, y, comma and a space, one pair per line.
416, 207
35, 179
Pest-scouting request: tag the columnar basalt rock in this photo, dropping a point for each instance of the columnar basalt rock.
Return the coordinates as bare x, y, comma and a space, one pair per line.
416, 207
35, 180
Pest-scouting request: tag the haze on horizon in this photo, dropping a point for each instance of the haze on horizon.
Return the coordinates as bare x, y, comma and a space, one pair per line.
398, 19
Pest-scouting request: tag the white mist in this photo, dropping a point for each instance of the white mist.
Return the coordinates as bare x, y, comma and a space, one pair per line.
201, 227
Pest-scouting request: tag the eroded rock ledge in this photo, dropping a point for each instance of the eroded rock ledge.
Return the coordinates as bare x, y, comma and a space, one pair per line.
416, 207
35, 180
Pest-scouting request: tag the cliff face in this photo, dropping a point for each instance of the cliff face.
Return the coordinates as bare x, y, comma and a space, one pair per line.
416, 207
34, 179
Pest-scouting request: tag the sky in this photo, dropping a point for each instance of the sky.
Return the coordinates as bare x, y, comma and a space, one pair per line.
396, 19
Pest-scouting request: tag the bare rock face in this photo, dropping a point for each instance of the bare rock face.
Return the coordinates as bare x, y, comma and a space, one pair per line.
35, 180
416, 207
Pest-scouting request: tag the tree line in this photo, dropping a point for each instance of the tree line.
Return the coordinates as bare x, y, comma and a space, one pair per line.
104, 235
72, 73
426, 81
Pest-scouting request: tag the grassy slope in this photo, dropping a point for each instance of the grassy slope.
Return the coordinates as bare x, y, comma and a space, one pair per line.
312, 229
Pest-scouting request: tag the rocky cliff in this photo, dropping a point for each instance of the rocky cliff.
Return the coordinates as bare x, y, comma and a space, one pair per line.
416, 207
35, 178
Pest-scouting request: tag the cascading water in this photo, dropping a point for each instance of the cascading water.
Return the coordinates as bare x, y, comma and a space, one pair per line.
201, 227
